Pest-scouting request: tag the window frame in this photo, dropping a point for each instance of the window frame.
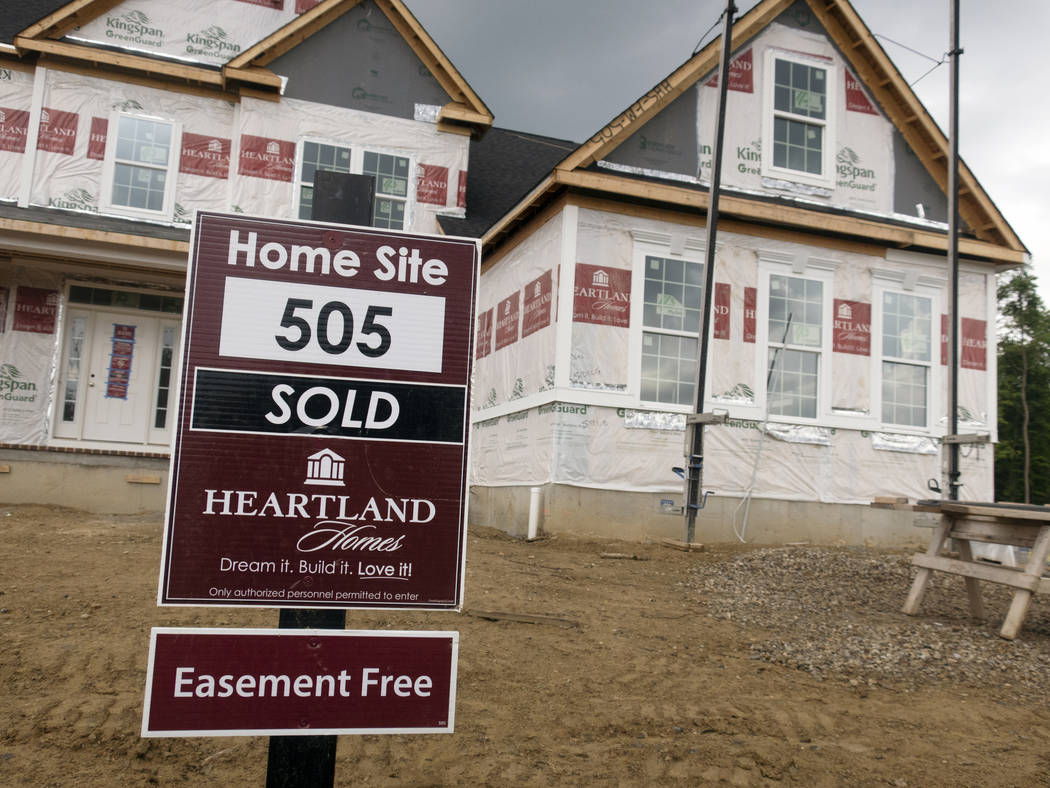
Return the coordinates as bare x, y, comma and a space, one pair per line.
110, 163
817, 271
643, 249
934, 383
357, 156
827, 123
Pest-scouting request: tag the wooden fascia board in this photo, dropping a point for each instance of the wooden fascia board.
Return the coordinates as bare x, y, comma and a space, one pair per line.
94, 236
258, 77
427, 50
458, 113
146, 80
71, 15
916, 126
786, 215
121, 60
292, 34
684, 77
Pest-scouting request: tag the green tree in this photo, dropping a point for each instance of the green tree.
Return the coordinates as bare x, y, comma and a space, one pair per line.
1022, 456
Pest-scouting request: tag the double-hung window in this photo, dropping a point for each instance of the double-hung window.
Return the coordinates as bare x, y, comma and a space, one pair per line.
795, 339
142, 155
392, 174
798, 119
907, 352
671, 311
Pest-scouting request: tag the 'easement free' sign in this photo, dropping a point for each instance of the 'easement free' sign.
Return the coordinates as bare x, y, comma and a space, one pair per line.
320, 456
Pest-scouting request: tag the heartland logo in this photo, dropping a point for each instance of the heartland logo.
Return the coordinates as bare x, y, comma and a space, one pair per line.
13, 387
325, 468
845, 312
134, 27
537, 291
847, 165
600, 279
75, 200
211, 42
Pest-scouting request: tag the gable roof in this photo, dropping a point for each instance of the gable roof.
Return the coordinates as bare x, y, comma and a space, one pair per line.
993, 237
247, 70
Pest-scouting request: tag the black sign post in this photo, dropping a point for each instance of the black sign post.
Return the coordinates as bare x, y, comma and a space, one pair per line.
294, 761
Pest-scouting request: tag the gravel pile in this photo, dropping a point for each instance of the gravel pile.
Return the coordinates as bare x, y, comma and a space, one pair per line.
835, 613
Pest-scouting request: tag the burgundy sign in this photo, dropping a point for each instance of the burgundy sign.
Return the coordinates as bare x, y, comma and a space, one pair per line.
432, 184
58, 131
204, 155
97, 138
536, 312
302, 6
750, 313
254, 682
974, 344
602, 295
320, 452
852, 327
944, 340
461, 191
483, 346
14, 128
741, 74
262, 157
35, 310
723, 296
507, 321
856, 98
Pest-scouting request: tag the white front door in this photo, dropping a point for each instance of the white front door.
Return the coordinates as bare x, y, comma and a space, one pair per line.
121, 370
117, 379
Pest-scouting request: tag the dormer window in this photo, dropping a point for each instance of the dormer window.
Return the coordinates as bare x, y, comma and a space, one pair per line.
798, 119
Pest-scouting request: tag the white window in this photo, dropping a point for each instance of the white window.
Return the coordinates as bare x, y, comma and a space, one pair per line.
794, 324
394, 184
142, 155
906, 349
672, 305
798, 120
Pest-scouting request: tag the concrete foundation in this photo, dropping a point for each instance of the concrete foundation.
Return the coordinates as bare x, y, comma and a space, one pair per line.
636, 516
101, 483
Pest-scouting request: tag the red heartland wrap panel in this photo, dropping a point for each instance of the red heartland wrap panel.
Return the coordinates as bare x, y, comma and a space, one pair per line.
205, 155
723, 299
536, 313
262, 157
507, 320
852, 327
14, 128
602, 295
58, 131
432, 184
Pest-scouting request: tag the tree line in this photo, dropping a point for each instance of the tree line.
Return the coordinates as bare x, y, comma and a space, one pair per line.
1022, 455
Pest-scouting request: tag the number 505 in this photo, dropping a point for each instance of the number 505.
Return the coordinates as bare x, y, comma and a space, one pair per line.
304, 326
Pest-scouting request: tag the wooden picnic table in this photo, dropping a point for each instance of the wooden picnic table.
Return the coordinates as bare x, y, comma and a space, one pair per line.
967, 522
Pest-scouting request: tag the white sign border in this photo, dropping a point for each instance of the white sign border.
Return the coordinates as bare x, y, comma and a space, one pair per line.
287, 633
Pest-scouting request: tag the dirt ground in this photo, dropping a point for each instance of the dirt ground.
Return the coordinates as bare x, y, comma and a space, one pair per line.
652, 678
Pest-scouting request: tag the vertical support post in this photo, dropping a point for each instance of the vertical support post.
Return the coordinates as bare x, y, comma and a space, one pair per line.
953, 258
309, 761
694, 479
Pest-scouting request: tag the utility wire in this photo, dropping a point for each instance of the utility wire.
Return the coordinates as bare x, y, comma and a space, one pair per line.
936, 63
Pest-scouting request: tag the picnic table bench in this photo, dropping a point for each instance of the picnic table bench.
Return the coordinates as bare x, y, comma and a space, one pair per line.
967, 522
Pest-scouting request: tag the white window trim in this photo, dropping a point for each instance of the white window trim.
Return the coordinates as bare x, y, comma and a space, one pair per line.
357, 156
829, 123
109, 167
926, 287
656, 245
824, 271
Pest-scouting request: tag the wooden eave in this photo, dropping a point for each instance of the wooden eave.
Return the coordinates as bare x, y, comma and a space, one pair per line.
70, 16
705, 61
743, 208
875, 69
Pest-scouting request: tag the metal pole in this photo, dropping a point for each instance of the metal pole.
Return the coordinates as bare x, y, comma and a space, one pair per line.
953, 257
695, 465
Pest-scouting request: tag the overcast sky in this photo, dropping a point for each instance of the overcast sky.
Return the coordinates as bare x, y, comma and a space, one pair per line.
565, 68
